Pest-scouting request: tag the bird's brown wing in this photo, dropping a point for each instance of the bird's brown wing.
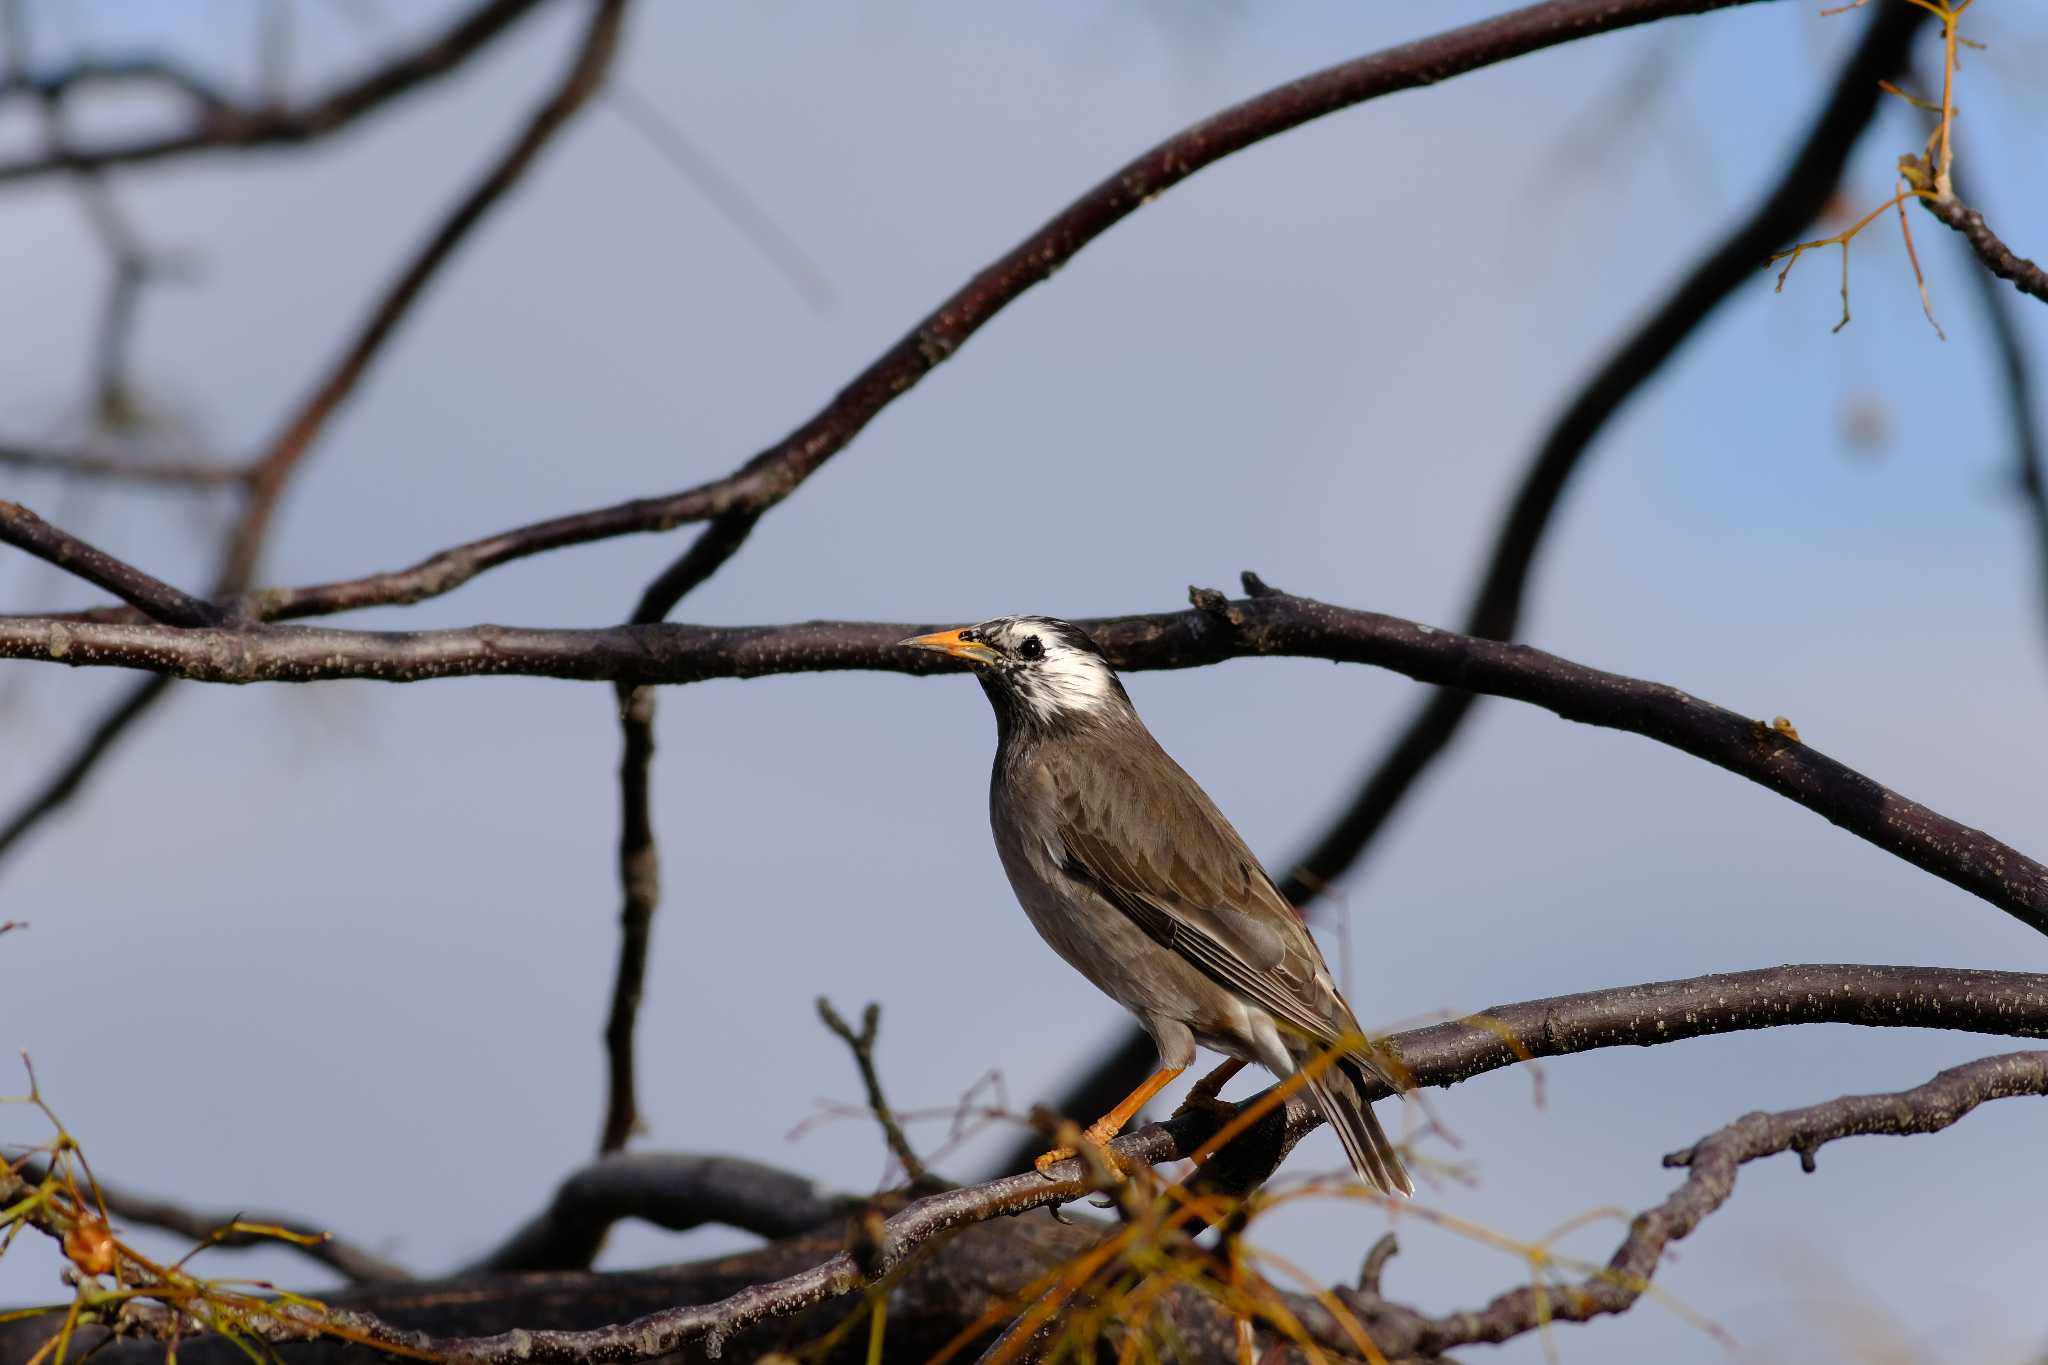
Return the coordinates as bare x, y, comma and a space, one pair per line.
1140, 830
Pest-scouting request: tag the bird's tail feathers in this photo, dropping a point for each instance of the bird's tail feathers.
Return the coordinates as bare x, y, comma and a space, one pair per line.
1338, 1094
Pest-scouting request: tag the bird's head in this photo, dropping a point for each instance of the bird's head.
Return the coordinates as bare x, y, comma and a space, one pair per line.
1036, 669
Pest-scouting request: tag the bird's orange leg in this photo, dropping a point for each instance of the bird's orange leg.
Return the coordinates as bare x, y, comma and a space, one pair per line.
1109, 1125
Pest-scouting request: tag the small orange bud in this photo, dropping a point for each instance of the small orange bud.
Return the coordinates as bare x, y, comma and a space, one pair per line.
90, 1245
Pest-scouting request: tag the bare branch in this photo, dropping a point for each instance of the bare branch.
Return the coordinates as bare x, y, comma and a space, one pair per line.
220, 125
671, 1190
267, 476
1713, 1161
1799, 195
1275, 624
25, 530
2009, 1003
774, 473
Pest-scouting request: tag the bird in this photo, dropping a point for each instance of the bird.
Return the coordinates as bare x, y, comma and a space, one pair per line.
1131, 874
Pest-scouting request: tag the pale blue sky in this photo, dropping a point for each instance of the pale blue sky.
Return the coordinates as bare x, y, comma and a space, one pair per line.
345, 950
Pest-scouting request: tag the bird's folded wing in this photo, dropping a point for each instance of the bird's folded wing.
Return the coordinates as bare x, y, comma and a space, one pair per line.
1155, 848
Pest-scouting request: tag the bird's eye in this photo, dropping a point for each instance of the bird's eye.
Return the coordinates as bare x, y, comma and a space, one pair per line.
1031, 648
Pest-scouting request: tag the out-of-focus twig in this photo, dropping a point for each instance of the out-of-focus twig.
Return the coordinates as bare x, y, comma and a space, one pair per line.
219, 125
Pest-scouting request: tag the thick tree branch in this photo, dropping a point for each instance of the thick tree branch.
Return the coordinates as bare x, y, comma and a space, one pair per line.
219, 125
2008, 1003
1272, 624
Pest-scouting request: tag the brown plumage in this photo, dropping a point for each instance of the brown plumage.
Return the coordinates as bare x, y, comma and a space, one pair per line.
1134, 876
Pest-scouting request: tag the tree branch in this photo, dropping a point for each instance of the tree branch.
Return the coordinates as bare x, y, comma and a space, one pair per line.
1273, 624
775, 472
1712, 1163
639, 852
115, 467
1997, 257
25, 530
671, 1190
220, 125
1798, 196
2007, 1003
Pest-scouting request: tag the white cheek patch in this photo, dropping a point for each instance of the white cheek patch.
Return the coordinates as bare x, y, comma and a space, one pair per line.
1066, 680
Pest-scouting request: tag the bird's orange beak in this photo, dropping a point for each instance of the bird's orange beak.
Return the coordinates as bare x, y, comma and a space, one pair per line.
950, 642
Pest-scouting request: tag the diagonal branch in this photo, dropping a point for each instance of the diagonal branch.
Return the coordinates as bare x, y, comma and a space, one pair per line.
2007, 1003
1271, 624
25, 530
775, 472
1798, 196
1997, 257
1795, 199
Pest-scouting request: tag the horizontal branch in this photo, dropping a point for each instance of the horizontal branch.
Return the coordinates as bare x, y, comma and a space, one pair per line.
2008, 1003
112, 467
219, 125
1269, 624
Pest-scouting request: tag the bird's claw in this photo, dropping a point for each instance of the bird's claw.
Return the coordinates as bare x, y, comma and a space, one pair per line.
1098, 1152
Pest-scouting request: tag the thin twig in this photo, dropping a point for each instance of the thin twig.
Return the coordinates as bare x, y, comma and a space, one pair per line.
639, 852
862, 1045
219, 125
